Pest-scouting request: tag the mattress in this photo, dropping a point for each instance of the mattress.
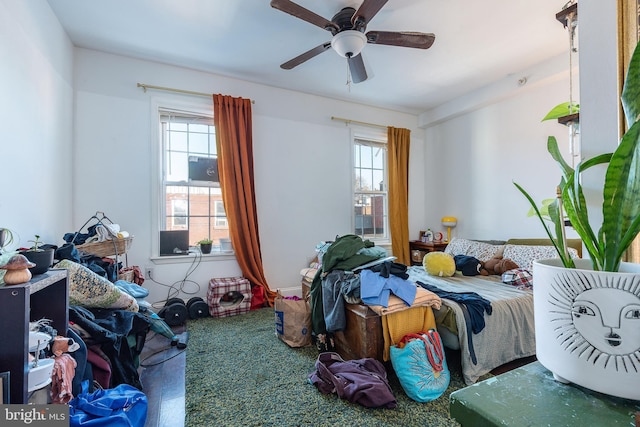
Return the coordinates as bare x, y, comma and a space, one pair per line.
509, 332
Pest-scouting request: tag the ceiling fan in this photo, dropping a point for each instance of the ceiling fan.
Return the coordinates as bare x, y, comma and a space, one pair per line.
349, 38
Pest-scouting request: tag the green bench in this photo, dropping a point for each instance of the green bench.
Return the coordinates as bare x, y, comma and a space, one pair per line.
529, 396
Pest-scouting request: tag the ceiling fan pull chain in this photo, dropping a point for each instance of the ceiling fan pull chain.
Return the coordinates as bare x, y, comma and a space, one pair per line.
348, 78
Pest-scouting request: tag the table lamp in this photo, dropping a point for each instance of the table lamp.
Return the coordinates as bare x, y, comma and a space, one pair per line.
449, 221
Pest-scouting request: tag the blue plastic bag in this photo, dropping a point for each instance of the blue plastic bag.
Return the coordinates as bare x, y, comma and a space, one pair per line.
121, 406
420, 365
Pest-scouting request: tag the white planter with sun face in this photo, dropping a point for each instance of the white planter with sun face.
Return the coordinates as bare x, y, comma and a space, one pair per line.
588, 325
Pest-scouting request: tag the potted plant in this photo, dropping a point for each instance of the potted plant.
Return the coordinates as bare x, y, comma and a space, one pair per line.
42, 258
587, 312
205, 245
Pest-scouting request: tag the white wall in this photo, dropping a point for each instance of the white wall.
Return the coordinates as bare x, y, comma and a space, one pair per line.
302, 163
36, 114
493, 136
599, 90
483, 142
59, 174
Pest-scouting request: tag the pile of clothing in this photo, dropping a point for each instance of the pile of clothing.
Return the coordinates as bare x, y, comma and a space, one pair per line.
347, 264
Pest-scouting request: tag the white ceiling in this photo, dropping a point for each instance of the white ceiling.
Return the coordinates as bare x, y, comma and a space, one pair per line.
477, 43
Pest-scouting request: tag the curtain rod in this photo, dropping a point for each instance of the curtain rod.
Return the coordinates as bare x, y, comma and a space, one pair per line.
348, 121
170, 89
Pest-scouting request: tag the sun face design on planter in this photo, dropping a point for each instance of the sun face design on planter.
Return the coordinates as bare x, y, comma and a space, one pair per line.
614, 331
598, 321
588, 325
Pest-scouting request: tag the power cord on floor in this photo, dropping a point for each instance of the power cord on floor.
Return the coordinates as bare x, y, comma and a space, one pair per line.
179, 287
180, 344
148, 365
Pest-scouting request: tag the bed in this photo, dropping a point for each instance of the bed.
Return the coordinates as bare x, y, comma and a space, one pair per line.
508, 333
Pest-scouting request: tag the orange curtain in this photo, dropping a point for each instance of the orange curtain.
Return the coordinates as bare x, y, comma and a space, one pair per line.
398, 147
232, 118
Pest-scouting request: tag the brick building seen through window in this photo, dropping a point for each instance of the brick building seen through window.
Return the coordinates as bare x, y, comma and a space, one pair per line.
194, 204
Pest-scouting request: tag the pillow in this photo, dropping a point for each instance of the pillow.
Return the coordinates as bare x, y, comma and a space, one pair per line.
524, 255
87, 289
439, 264
480, 250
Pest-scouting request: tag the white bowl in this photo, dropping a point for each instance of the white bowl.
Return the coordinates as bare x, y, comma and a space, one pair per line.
40, 375
38, 341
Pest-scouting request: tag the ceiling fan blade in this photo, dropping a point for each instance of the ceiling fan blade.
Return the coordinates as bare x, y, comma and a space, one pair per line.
401, 38
367, 10
357, 69
305, 56
300, 12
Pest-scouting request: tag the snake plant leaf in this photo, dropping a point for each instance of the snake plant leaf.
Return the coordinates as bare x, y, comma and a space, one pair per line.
621, 195
552, 148
620, 192
535, 208
558, 221
631, 91
576, 210
561, 110
555, 218
621, 210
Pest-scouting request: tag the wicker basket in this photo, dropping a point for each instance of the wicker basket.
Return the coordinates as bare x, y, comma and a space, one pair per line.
127, 275
108, 247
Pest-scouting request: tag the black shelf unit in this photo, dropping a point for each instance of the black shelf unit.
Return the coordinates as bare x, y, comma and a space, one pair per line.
45, 296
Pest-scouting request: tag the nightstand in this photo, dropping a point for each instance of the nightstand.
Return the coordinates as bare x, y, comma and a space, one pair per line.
419, 249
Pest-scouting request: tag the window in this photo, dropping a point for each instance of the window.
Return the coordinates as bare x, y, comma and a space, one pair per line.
221, 216
191, 198
179, 213
370, 198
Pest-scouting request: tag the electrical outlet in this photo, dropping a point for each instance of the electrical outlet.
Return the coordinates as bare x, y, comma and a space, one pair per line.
148, 272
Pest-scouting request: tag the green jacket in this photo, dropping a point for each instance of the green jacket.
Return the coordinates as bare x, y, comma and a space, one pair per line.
341, 255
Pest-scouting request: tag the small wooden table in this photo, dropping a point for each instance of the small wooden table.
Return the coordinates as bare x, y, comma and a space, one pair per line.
419, 249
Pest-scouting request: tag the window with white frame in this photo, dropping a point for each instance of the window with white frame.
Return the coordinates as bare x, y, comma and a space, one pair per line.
370, 197
179, 213
191, 198
221, 216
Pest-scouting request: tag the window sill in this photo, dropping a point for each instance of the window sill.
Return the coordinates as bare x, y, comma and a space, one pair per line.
177, 259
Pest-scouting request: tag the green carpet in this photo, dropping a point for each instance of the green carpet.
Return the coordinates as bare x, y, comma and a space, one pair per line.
239, 374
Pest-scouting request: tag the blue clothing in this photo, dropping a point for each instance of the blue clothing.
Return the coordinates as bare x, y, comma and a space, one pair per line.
333, 302
376, 289
351, 288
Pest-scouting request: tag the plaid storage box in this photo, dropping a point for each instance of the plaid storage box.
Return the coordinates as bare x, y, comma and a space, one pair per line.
228, 296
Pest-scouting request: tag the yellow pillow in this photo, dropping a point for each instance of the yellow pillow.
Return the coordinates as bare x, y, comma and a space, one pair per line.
439, 264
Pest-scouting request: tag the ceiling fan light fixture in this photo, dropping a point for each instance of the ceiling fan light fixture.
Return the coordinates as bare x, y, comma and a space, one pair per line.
348, 43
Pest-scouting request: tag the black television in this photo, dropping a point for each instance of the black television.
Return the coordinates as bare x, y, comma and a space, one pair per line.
203, 169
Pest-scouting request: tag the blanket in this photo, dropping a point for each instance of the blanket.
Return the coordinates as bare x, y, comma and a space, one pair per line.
509, 332
399, 323
424, 298
399, 319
